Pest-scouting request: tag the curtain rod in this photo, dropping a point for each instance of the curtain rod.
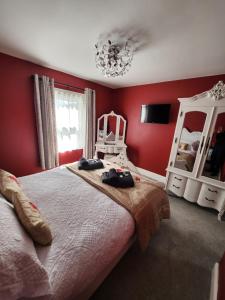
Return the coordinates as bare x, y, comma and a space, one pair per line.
64, 84
71, 86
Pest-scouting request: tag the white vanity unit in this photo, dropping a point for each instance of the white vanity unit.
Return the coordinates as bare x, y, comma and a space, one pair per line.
111, 132
196, 169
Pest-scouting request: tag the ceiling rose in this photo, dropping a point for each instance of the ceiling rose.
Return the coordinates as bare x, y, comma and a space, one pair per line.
113, 57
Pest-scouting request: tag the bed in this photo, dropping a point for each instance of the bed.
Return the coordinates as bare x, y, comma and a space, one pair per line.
86, 246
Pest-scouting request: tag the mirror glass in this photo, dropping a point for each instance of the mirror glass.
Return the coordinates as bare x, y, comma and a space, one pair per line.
110, 132
189, 141
101, 129
215, 160
111, 124
121, 129
111, 129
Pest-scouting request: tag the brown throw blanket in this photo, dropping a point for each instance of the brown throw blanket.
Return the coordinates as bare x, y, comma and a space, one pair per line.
147, 202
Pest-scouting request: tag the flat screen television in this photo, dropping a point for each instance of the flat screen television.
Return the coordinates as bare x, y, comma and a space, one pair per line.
155, 113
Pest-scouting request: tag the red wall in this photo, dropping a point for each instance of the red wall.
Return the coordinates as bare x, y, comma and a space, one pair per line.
195, 121
149, 145
18, 137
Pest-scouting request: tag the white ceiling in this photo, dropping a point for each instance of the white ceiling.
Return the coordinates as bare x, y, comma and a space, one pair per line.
181, 38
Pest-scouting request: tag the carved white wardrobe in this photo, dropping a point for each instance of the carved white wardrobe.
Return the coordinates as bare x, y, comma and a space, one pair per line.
189, 174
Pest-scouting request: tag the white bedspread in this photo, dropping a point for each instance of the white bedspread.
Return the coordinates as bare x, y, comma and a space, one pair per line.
21, 273
89, 229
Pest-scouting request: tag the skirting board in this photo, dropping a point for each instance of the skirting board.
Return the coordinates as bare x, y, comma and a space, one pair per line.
214, 282
152, 175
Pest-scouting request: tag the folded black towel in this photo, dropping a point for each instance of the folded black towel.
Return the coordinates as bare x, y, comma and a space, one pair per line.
90, 164
83, 162
125, 179
110, 177
118, 179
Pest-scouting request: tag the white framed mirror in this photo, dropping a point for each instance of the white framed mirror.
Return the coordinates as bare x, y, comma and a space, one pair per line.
111, 129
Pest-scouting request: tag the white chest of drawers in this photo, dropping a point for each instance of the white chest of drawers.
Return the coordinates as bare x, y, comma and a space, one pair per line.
210, 196
202, 193
177, 184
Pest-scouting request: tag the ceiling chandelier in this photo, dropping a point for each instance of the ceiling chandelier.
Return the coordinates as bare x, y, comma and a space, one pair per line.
114, 58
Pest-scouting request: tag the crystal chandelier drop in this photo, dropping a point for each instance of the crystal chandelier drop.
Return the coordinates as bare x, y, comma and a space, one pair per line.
113, 58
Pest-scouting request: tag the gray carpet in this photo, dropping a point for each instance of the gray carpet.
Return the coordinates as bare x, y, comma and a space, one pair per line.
178, 263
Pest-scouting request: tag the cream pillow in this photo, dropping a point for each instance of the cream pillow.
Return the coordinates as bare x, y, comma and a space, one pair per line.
21, 272
183, 146
110, 137
27, 213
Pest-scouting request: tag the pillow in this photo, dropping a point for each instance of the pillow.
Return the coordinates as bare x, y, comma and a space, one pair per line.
101, 133
195, 145
183, 146
26, 211
110, 137
21, 272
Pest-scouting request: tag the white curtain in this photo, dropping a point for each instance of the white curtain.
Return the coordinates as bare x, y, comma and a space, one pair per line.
46, 123
70, 120
90, 123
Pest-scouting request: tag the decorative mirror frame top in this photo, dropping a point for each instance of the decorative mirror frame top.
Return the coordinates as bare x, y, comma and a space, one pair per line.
216, 93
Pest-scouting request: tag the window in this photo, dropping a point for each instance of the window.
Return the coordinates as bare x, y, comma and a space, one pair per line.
70, 120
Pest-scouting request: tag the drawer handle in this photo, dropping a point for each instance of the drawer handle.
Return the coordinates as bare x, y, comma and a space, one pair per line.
213, 191
210, 200
180, 179
177, 187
